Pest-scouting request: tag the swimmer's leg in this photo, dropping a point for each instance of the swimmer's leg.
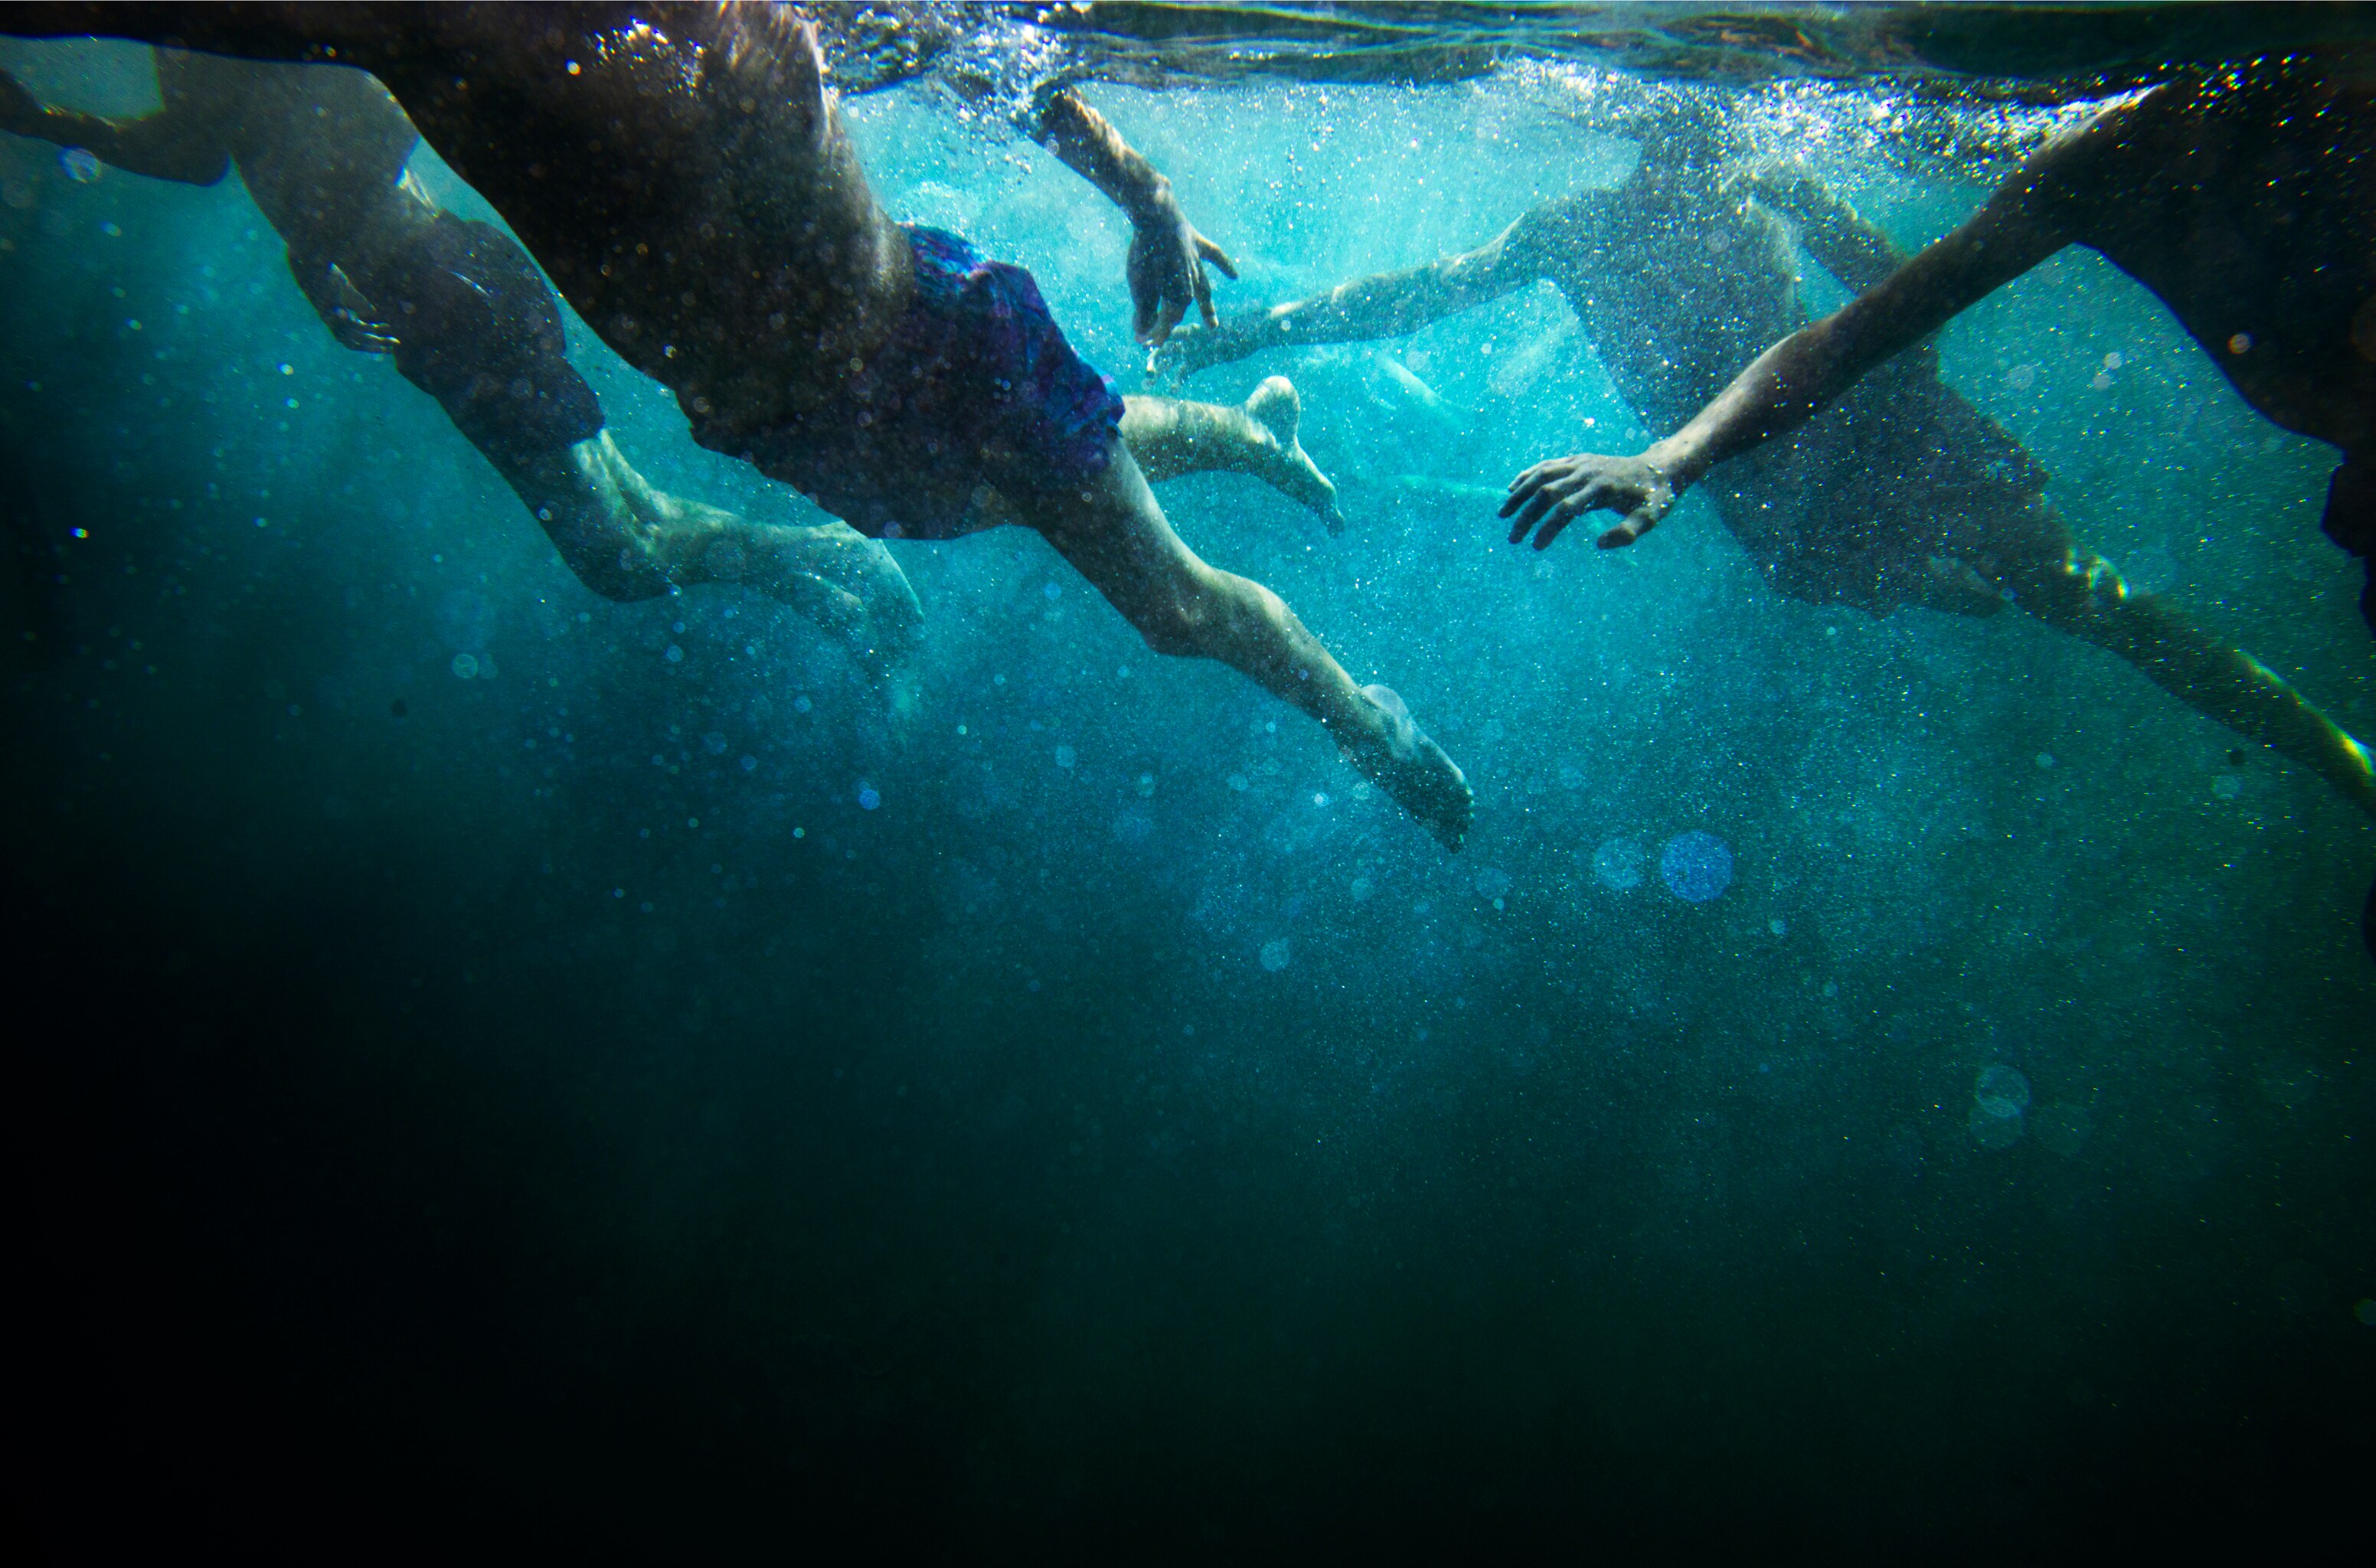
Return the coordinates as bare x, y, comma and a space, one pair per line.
2083, 594
1113, 530
1170, 436
626, 540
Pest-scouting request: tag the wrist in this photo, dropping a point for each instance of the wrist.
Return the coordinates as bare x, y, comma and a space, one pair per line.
1147, 200
1676, 462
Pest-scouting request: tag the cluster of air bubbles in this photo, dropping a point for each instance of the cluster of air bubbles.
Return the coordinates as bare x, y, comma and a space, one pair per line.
1931, 129
1999, 1099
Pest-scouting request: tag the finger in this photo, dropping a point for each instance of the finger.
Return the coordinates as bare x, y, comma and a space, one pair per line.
1590, 499
1142, 316
1217, 256
1525, 485
1204, 299
1540, 501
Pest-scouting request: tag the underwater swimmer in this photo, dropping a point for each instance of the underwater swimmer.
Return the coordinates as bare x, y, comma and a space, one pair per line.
323, 150
2245, 200
1902, 494
466, 318
689, 184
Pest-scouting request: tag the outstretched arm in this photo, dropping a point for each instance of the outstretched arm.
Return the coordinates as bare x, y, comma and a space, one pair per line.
1836, 234
1167, 253
1785, 386
176, 143
1388, 304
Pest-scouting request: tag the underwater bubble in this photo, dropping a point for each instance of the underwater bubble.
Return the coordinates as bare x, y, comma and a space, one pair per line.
2366, 1312
750, 762
674, 655
2064, 1128
2001, 1090
465, 665
1133, 827
1990, 1130
82, 165
1618, 864
1492, 884
1052, 589
801, 705
2228, 786
1360, 889
714, 744
867, 799
1696, 866
1238, 781
1275, 954
1066, 756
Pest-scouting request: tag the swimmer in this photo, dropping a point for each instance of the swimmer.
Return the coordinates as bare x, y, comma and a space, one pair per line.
323, 150
464, 316
688, 183
1905, 495
2242, 197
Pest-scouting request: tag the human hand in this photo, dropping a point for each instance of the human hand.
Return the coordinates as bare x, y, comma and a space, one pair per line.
1166, 269
1186, 353
1555, 493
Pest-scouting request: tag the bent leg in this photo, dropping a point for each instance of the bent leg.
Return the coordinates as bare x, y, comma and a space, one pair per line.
1170, 436
626, 540
2083, 594
1112, 529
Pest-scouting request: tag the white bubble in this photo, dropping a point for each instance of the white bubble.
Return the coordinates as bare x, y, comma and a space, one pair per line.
1617, 865
1777, 927
1238, 781
1275, 954
2046, 759
674, 655
82, 166
749, 763
1052, 591
2001, 1090
1065, 755
466, 665
1360, 889
800, 704
714, 744
1491, 882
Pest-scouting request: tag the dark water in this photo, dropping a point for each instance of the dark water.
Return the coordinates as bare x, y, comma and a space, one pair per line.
548, 1109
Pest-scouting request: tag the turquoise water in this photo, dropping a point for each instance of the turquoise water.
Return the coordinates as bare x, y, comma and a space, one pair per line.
511, 1059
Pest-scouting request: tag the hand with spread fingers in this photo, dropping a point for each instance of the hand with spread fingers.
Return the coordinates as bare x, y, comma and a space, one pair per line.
1167, 267
1556, 492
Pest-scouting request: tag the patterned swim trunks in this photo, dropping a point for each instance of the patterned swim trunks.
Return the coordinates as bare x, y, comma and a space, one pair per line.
974, 387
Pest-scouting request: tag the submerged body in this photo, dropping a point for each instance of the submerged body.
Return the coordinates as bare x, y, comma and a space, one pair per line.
1901, 494
686, 178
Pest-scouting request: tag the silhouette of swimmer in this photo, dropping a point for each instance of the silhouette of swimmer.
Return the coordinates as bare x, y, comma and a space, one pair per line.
1905, 495
464, 316
687, 182
2242, 197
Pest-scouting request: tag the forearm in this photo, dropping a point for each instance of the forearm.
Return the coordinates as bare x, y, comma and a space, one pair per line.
1088, 144
1849, 247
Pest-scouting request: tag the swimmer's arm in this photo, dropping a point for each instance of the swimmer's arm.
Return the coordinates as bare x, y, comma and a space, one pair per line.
1167, 253
1849, 246
1389, 304
174, 144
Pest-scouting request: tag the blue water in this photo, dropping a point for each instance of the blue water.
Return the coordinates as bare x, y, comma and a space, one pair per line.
575, 1062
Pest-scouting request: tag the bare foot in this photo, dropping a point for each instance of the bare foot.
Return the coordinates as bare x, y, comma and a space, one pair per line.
1400, 759
1277, 411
